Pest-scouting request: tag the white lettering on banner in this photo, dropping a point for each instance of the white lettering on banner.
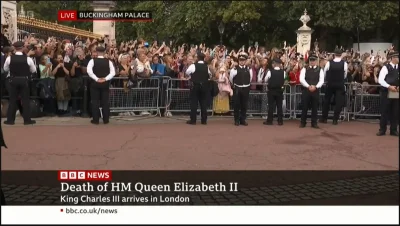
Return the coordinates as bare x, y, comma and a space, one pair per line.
186, 187
77, 188
141, 188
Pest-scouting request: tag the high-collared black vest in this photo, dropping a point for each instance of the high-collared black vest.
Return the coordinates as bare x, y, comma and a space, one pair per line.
335, 74
277, 79
200, 75
101, 67
19, 66
242, 77
312, 75
392, 78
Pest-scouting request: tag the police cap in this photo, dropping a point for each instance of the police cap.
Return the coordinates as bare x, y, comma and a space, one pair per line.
243, 56
100, 49
313, 58
394, 54
338, 52
277, 61
18, 44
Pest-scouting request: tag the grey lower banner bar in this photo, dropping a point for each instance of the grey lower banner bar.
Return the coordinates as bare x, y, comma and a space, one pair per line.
253, 188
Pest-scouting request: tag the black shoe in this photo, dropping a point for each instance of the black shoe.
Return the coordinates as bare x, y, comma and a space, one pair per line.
31, 122
9, 123
315, 126
335, 122
106, 122
237, 123
381, 133
267, 123
280, 123
323, 121
394, 133
244, 123
204, 123
302, 125
94, 122
190, 123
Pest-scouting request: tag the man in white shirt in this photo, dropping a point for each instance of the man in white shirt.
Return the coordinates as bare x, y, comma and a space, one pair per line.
312, 79
20, 67
199, 74
389, 80
101, 70
276, 80
241, 76
335, 74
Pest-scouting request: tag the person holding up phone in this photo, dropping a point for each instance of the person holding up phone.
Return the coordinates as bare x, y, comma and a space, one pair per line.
389, 95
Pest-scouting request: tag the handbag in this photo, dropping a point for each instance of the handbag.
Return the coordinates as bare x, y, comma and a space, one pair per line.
214, 88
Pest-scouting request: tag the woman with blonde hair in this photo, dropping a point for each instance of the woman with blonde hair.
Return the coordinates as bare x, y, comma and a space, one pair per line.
221, 101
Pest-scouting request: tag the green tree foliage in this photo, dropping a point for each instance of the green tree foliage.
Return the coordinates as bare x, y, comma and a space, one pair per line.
47, 10
264, 21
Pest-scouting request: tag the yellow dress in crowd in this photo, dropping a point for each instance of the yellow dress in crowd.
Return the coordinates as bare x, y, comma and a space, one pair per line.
221, 101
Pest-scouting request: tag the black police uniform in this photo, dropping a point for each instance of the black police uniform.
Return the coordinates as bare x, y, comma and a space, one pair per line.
389, 106
100, 92
199, 92
275, 94
334, 87
241, 93
312, 77
18, 85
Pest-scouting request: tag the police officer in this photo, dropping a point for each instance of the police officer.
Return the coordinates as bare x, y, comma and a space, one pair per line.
101, 70
240, 76
312, 79
335, 74
199, 74
276, 80
20, 67
389, 80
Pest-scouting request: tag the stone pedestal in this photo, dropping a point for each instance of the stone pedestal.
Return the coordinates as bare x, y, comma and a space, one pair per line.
304, 40
304, 35
104, 27
9, 19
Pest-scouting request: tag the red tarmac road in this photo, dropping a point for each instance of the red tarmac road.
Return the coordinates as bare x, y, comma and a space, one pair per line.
217, 146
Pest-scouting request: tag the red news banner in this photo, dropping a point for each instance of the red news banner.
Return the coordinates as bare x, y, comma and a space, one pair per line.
74, 15
80, 182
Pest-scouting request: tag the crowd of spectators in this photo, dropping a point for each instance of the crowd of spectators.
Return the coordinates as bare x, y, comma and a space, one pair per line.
61, 65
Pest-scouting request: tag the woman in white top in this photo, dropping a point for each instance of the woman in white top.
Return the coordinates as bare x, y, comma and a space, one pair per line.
45, 67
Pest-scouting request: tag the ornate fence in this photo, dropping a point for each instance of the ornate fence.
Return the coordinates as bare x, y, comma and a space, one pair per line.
44, 29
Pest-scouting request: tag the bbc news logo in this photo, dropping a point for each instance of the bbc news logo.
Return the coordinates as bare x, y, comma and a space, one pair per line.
86, 175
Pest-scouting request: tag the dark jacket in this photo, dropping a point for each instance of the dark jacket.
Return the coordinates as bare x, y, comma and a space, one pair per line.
47, 88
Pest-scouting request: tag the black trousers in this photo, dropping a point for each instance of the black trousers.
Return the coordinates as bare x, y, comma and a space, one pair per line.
339, 94
3, 199
389, 111
275, 99
309, 98
199, 94
240, 103
100, 97
18, 86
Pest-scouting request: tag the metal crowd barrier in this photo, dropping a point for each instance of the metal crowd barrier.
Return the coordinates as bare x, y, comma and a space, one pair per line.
365, 101
178, 96
172, 95
297, 105
143, 96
